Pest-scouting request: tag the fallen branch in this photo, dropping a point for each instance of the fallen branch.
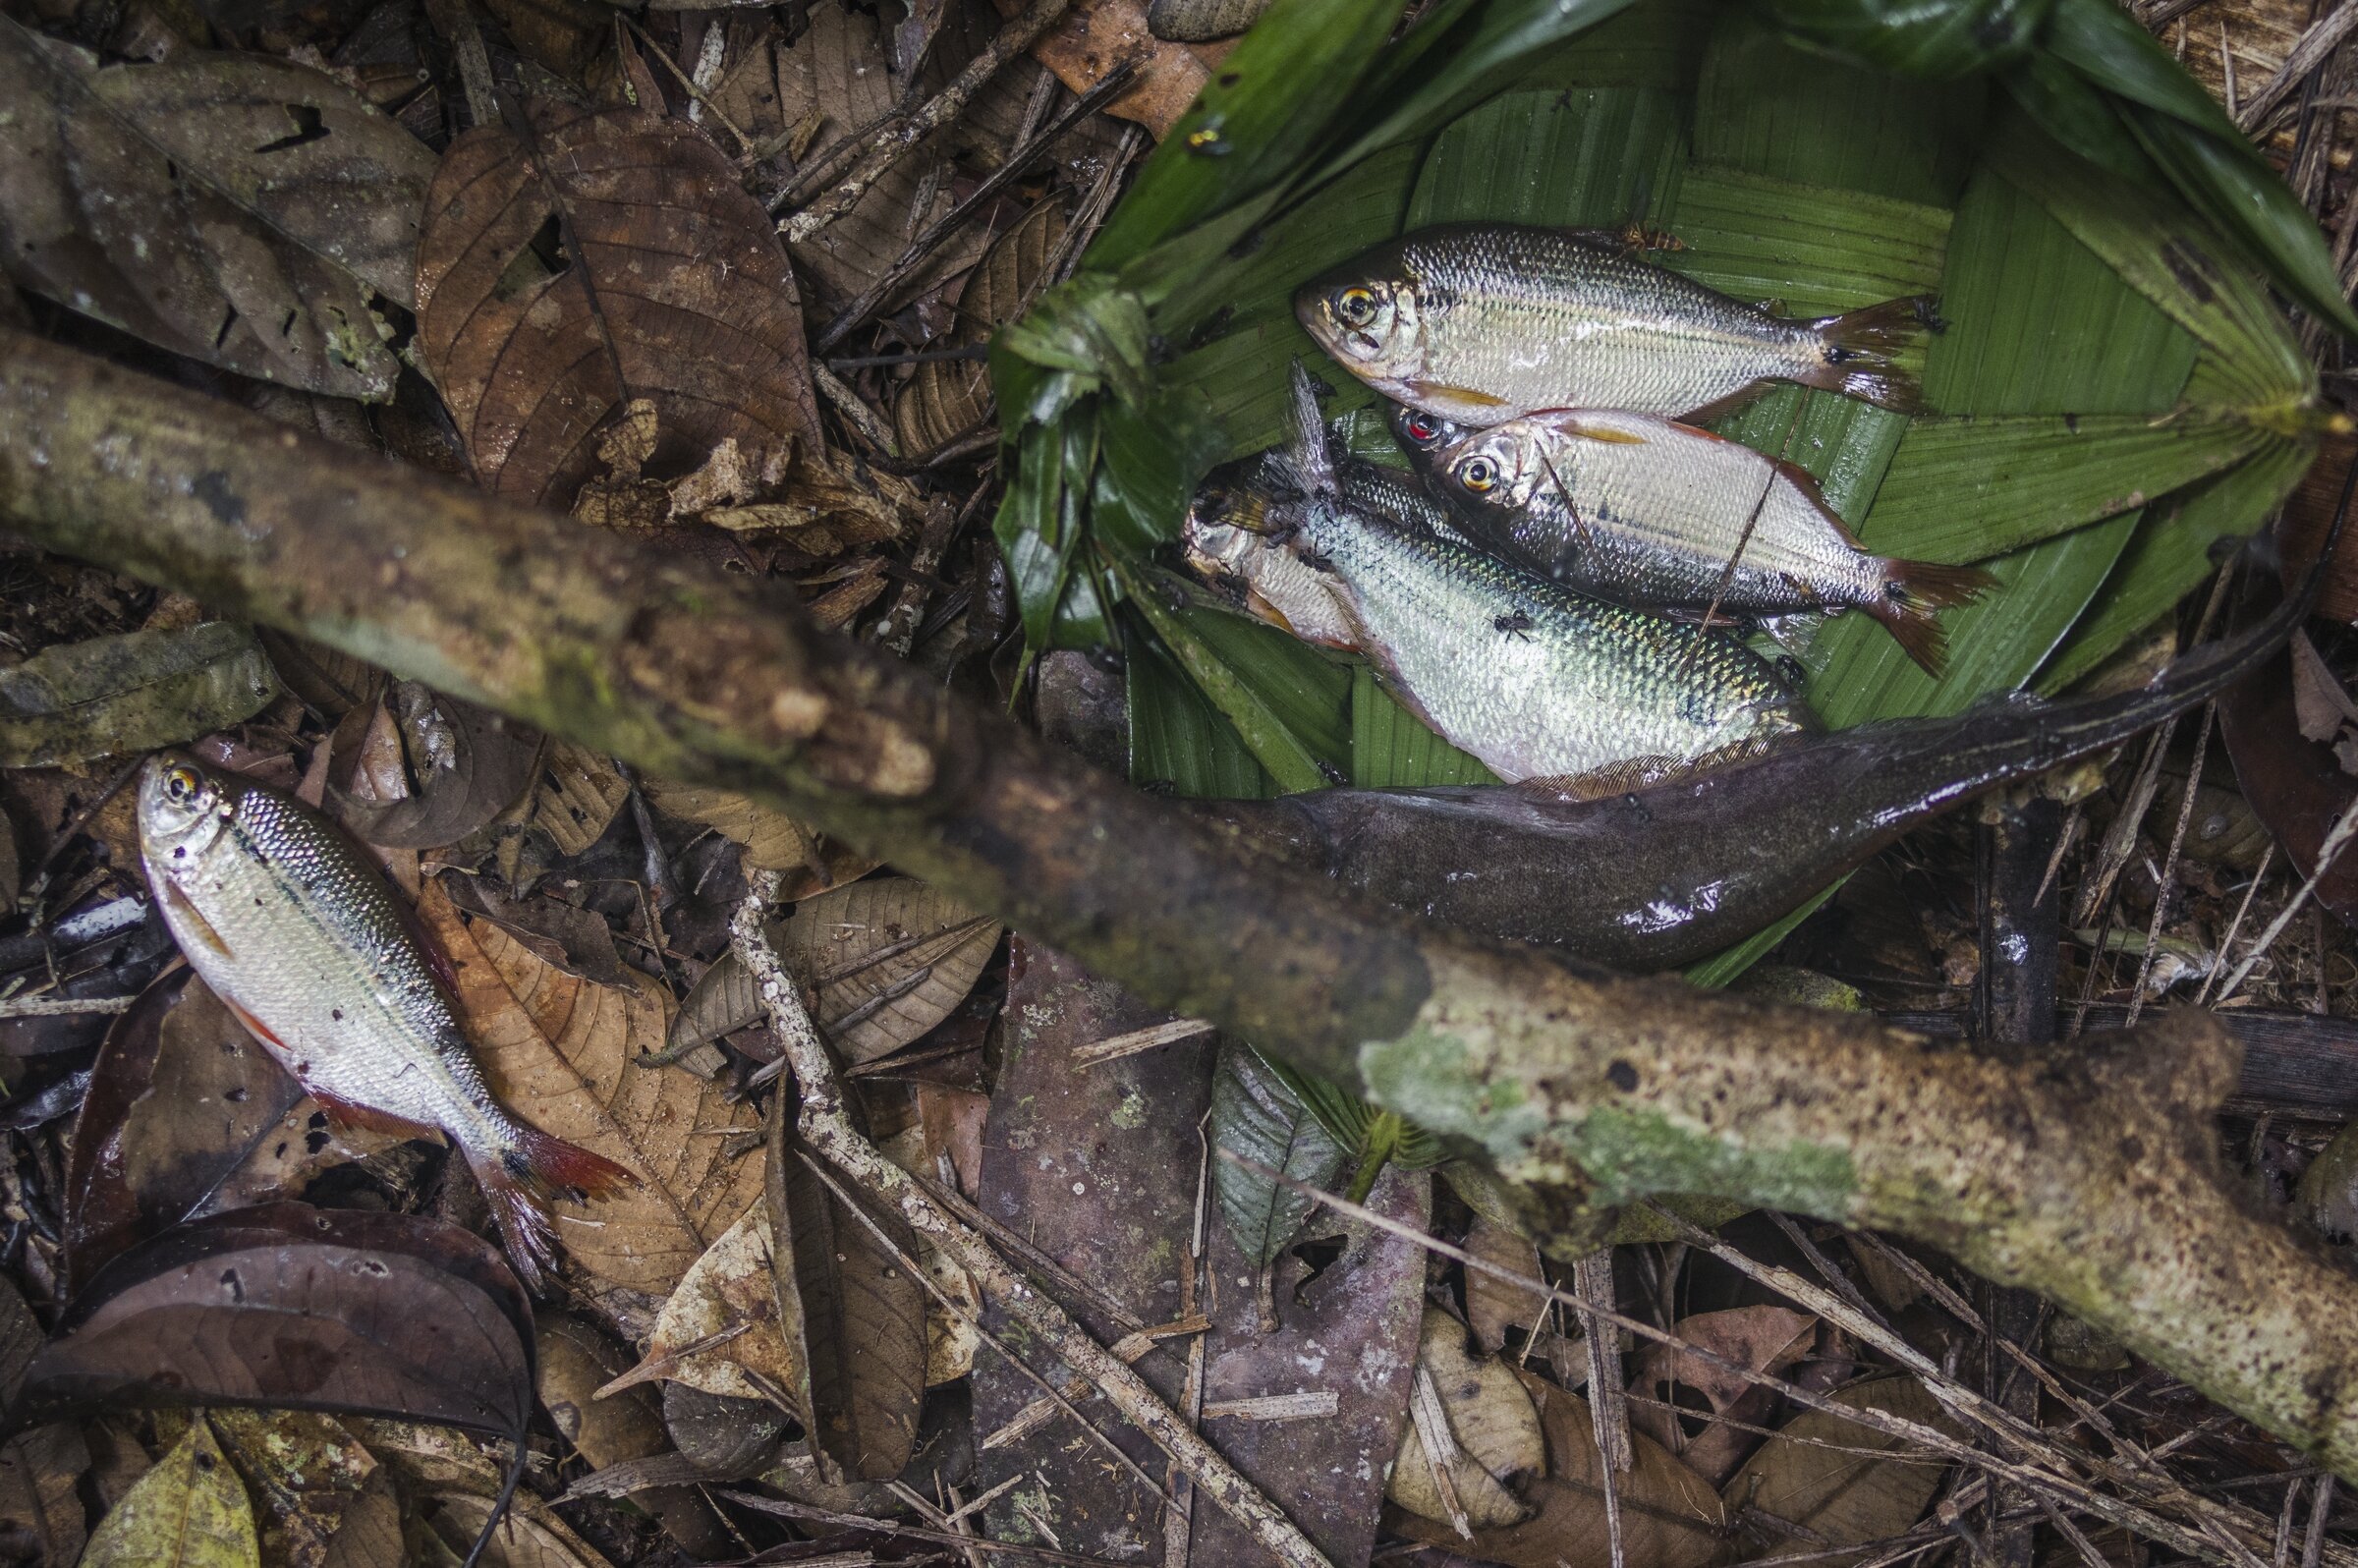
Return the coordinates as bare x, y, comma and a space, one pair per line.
2091, 1176
826, 1126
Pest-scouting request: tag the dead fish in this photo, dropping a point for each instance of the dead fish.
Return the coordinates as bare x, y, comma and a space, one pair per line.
1663, 876
301, 938
1421, 433
1483, 322
1236, 533
1538, 682
1647, 512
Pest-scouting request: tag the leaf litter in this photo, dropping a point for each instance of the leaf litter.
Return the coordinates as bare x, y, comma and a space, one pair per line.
627, 343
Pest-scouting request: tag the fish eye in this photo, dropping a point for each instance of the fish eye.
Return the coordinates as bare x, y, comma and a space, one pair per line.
1423, 426
182, 782
1478, 474
1355, 305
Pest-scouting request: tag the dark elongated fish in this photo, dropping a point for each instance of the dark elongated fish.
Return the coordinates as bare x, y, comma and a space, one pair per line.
1663, 876
1480, 322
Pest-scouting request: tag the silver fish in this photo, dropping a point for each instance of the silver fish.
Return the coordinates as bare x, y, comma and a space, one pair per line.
1647, 512
277, 911
1538, 682
1483, 322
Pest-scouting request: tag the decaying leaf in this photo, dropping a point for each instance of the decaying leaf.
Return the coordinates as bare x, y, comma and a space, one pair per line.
861, 1316
561, 1051
41, 1514
527, 1537
946, 398
577, 1361
233, 208
719, 1329
1198, 21
1487, 1416
2296, 786
189, 1511
589, 257
339, 1310
329, 1503
1255, 1114
1495, 1308
462, 766
180, 1096
1669, 1519
130, 693
1812, 1474
721, 1435
1713, 1441
837, 76
772, 840
887, 959
578, 797
331, 684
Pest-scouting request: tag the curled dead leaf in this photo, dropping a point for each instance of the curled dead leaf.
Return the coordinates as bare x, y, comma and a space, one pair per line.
1818, 1472
946, 398
1482, 1412
459, 766
589, 257
1671, 1382
719, 1329
772, 840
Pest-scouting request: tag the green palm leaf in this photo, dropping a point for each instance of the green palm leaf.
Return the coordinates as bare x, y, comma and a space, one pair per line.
2115, 394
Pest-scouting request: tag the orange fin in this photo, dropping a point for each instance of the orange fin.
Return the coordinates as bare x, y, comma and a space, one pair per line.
258, 1029
1859, 349
557, 1166
346, 1115
519, 1183
1911, 612
1574, 425
197, 924
1437, 390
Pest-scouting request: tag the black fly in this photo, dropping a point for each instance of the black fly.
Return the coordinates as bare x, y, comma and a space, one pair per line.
1517, 625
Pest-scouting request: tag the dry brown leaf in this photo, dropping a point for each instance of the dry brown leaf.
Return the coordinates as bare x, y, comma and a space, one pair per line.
1763, 1339
560, 1051
1669, 1519
2320, 704
612, 256
1494, 1425
772, 840
835, 608
946, 398
445, 769
1493, 1306
40, 1470
327, 1502
578, 796
576, 1361
719, 1329
208, 205
838, 75
527, 1538
888, 960
1818, 1472
1097, 36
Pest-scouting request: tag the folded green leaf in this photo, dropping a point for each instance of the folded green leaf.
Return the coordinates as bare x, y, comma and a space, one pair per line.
1255, 1114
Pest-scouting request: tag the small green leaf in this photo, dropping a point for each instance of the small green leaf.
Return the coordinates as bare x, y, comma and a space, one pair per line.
1255, 1114
189, 1510
1273, 743
1178, 741
1391, 747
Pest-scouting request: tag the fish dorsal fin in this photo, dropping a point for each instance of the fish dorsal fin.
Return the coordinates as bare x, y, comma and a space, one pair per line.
1306, 442
1806, 482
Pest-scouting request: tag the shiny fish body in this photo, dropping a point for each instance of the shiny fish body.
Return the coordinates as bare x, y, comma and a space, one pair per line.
1538, 682
281, 918
1481, 323
1646, 512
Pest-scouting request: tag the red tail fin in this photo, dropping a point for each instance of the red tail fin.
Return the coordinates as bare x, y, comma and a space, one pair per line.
1859, 349
1914, 592
521, 1183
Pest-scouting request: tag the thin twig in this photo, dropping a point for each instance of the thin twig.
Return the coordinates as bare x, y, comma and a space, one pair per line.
828, 1130
63, 1006
873, 426
2326, 853
891, 141
2169, 864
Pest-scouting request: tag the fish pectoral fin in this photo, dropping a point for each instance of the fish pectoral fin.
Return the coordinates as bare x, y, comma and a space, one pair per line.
348, 1116
260, 1032
1589, 430
1472, 397
197, 924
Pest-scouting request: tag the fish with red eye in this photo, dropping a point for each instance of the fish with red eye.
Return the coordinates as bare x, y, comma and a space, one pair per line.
302, 939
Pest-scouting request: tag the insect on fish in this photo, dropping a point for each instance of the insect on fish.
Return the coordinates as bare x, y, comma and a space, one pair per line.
1538, 682
1646, 512
277, 911
1481, 322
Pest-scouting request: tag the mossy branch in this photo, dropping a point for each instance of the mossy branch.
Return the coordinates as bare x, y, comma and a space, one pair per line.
2093, 1177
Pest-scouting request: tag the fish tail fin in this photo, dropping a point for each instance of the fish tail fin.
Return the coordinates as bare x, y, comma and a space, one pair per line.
1914, 592
1860, 347
521, 1181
